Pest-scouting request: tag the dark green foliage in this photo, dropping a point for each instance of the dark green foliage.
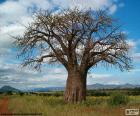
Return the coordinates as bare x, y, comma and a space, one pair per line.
9, 93
97, 93
118, 99
100, 92
108, 92
58, 93
21, 93
51, 93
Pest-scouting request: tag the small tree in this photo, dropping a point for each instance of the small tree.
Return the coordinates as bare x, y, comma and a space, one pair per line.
79, 40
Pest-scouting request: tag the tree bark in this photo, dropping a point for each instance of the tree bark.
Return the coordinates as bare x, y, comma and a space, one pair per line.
75, 87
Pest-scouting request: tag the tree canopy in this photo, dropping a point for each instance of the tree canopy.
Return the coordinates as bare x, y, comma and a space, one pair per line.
74, 38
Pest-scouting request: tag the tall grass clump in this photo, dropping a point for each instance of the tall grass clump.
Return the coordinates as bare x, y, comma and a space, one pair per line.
118, 99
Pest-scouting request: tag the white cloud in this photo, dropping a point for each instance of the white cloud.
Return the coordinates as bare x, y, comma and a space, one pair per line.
9, 16
133, 52
132, 47
6, 41
20, 13
83, 4
135, 70
20, 8
97, 78
136, 57
131, 43
113, 8
11, 74
114, 82
92, 75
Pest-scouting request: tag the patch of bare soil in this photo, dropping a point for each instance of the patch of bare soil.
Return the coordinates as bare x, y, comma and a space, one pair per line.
4, 107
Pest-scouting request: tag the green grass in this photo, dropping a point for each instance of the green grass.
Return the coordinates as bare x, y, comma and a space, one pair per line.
118, 99
54, 106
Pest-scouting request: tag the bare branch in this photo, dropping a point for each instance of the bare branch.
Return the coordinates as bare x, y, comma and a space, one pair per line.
77, 39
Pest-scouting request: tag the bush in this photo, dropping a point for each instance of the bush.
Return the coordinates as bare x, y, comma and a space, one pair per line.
21, 93
58, 93
96, 93
118, 99
9, 93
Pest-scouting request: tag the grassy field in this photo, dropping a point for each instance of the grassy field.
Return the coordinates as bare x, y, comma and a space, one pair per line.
54, 106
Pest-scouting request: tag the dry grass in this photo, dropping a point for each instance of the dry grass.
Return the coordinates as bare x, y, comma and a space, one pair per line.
54, 106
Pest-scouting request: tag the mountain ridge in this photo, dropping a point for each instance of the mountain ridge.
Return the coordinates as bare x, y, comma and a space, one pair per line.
95, 86
7, 88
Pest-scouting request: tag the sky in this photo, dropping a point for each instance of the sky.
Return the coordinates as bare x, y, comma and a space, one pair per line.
16, 14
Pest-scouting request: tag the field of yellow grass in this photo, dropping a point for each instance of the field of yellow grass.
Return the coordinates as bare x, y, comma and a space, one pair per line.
54, 106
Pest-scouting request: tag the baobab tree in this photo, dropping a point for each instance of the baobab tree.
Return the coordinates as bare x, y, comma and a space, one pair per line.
78, 40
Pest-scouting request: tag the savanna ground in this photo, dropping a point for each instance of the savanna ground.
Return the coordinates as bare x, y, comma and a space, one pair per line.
54, 106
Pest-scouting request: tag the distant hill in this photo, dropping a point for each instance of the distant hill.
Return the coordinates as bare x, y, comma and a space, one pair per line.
112, 86
46, 89
8, 88
89, 87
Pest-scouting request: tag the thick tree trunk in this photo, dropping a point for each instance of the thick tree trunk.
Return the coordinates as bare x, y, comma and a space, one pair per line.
75, 87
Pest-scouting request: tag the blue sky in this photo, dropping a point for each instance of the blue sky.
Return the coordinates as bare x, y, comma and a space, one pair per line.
13, 13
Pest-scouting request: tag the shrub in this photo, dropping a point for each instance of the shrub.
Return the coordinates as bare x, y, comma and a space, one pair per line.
9, 93
118, 99
58, 93
21, 93
96, 93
